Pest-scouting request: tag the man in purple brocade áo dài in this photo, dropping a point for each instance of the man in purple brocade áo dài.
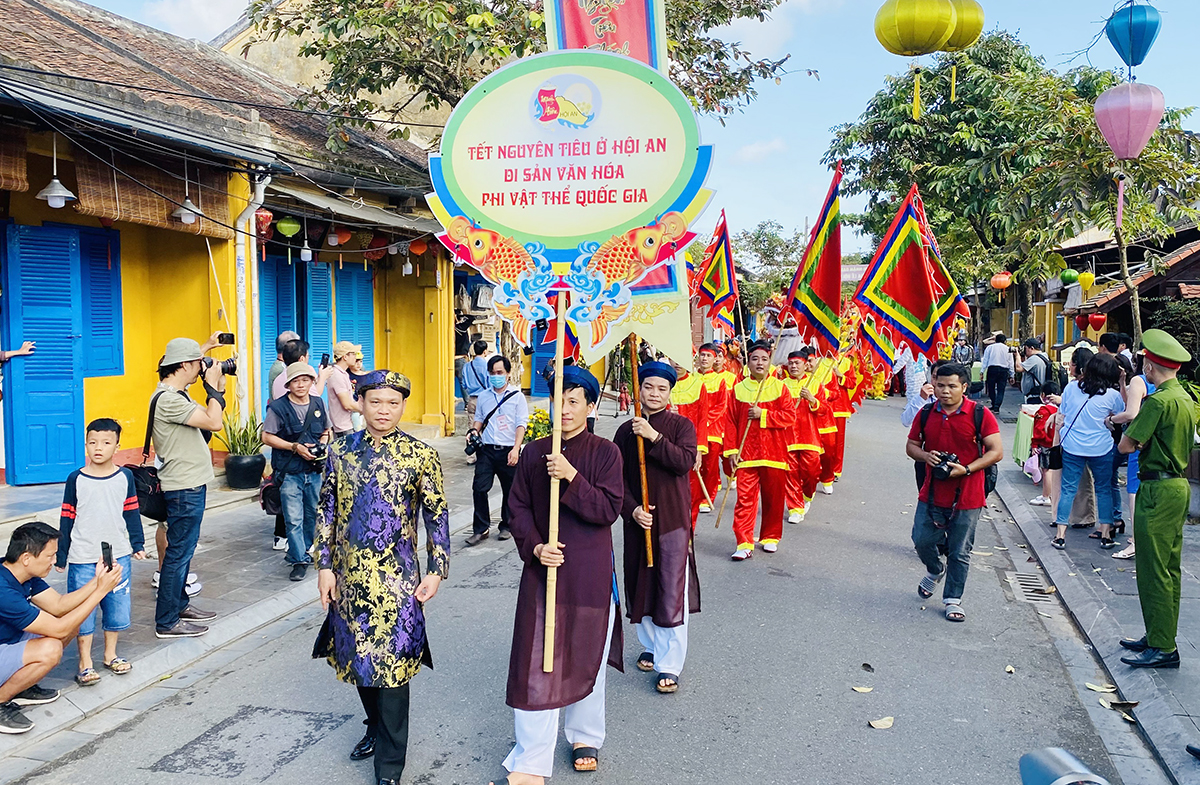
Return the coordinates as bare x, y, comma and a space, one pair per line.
588, 635
376, 483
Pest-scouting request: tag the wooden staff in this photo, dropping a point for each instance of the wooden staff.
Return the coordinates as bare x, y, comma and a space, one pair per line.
555, 449
637, 412
729, 487
707, 498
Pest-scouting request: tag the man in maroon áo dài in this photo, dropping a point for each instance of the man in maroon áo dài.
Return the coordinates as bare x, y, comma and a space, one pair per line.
376, 483
587, 631
661, 597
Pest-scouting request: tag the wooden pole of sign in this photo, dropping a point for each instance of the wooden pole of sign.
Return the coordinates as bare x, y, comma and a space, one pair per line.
637, 412
555, 449
741, 444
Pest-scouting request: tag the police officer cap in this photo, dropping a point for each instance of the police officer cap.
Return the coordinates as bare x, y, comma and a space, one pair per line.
661, 370
1162, 349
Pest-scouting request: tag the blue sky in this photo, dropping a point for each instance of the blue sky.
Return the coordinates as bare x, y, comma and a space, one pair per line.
767, 163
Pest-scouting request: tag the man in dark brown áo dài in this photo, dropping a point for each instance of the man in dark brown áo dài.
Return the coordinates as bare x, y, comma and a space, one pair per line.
661, 597
587, 630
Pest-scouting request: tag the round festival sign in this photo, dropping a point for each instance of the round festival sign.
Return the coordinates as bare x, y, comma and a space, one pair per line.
576, 170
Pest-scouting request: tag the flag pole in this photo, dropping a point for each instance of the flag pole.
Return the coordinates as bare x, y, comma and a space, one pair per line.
555, 449
641, 444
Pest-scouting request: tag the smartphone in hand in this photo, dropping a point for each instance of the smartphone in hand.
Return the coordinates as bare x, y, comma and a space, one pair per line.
106, 554
225, 339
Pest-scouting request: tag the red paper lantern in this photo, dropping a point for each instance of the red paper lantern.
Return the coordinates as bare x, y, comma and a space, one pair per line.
376, 249
418, 247
1081, 321
1097, 320
262, 222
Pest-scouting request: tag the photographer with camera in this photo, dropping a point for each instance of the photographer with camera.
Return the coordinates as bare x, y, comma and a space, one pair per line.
297, 430
958, 440
496, 436
178, 426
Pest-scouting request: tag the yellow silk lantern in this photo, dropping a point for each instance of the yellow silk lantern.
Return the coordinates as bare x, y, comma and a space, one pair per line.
968, 26
1086, 280
911, 28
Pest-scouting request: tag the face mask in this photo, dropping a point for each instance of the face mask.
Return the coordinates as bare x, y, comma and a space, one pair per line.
499, 381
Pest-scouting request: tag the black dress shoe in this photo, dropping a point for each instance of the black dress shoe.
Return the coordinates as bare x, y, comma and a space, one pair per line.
1153, 658
1138, 645
1194, 750
195, 614
388, 781
475, 539
365, 747
504, 534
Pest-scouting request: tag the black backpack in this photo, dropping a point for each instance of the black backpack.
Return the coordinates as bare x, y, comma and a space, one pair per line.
990, 474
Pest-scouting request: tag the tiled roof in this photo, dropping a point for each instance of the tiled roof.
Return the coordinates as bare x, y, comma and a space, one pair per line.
1099, 302
77, 39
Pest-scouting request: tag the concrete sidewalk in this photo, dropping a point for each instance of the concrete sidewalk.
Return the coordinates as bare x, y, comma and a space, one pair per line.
1101, 594
243, 579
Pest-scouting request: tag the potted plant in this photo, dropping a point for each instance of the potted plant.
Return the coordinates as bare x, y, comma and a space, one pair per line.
245, 463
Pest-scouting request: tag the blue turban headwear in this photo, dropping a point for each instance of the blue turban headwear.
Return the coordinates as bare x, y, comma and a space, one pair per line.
576, 376
661, 370
382, 378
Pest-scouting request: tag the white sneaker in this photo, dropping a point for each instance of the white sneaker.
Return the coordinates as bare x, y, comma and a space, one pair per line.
192, 580
733, 485
705, 508
795, 516
741, 554
769, 547
827, 488
280, 544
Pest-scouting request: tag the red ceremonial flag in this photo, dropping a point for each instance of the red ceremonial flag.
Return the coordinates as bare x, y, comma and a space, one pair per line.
816, 291
717, 280
906, 294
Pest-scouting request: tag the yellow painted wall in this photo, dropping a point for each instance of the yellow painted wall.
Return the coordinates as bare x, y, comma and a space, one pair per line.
167, 289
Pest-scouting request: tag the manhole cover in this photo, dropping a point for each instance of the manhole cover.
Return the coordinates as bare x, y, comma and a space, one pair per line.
1030, 588
252, 744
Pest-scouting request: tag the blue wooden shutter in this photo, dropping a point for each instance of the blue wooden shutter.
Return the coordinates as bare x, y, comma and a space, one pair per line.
43, 392
100, 285
319, 312
356, 310
543, 354
268, 320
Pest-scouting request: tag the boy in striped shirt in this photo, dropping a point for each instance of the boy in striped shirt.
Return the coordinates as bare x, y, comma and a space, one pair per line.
100, 505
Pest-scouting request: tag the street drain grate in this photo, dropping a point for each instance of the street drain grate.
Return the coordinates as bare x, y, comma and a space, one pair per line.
1030, 588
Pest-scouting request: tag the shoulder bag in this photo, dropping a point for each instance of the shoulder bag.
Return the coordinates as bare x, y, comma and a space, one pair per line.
474, 437
152, 502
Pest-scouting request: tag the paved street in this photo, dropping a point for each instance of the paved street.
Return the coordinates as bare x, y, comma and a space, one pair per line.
766, 695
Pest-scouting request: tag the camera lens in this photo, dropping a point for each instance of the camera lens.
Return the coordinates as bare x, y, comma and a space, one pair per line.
228, 367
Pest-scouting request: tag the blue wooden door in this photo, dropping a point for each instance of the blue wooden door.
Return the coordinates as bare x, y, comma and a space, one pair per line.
276, 309
356, 309
319, 312
543, 355
43, 393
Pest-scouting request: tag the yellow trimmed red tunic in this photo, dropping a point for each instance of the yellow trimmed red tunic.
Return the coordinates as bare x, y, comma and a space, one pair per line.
804, 432
689, 398
768, 438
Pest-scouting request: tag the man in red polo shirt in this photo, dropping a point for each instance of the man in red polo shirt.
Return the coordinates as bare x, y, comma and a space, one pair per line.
952, 494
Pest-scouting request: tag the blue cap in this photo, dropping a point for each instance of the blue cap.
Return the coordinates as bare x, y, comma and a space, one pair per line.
575, 376
661, 370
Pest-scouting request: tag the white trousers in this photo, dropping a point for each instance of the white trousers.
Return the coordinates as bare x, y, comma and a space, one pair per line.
537, 731
667, 644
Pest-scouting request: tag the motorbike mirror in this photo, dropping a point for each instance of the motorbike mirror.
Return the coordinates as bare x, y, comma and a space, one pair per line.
1056, 766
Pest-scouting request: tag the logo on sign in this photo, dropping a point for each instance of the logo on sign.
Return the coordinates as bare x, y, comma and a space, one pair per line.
568, 100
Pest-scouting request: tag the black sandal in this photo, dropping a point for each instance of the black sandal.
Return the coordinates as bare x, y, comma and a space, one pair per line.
1059, 542
645, 662
580, 753
672, 685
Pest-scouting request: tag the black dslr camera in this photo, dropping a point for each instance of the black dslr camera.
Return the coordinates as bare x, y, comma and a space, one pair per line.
228, 367
318, 451
942, 470
474, 442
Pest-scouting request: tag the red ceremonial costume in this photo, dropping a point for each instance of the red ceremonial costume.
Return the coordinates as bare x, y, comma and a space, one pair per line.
716, 390
689, 399
826, 424
840, 384
804, 452
728, 379
763, 462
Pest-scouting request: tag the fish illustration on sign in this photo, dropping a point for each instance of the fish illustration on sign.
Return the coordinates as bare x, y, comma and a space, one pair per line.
499, 258
554, 107
627, 257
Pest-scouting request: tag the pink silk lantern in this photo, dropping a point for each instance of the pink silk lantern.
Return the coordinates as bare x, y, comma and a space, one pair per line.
1128, 115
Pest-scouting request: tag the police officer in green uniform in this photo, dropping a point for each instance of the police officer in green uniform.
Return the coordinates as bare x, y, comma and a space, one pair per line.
1164, 431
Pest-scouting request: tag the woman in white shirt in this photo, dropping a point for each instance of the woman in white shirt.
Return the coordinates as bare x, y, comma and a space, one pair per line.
1087, 442
997, 367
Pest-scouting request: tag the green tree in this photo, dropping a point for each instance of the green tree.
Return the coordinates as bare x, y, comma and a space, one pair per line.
1075, 184
769, 258
958, 154
438, 50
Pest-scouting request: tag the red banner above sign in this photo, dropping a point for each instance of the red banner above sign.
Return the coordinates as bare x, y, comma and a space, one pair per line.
635, 28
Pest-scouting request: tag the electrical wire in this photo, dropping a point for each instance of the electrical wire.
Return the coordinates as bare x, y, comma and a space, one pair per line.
60, 129
203, 97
